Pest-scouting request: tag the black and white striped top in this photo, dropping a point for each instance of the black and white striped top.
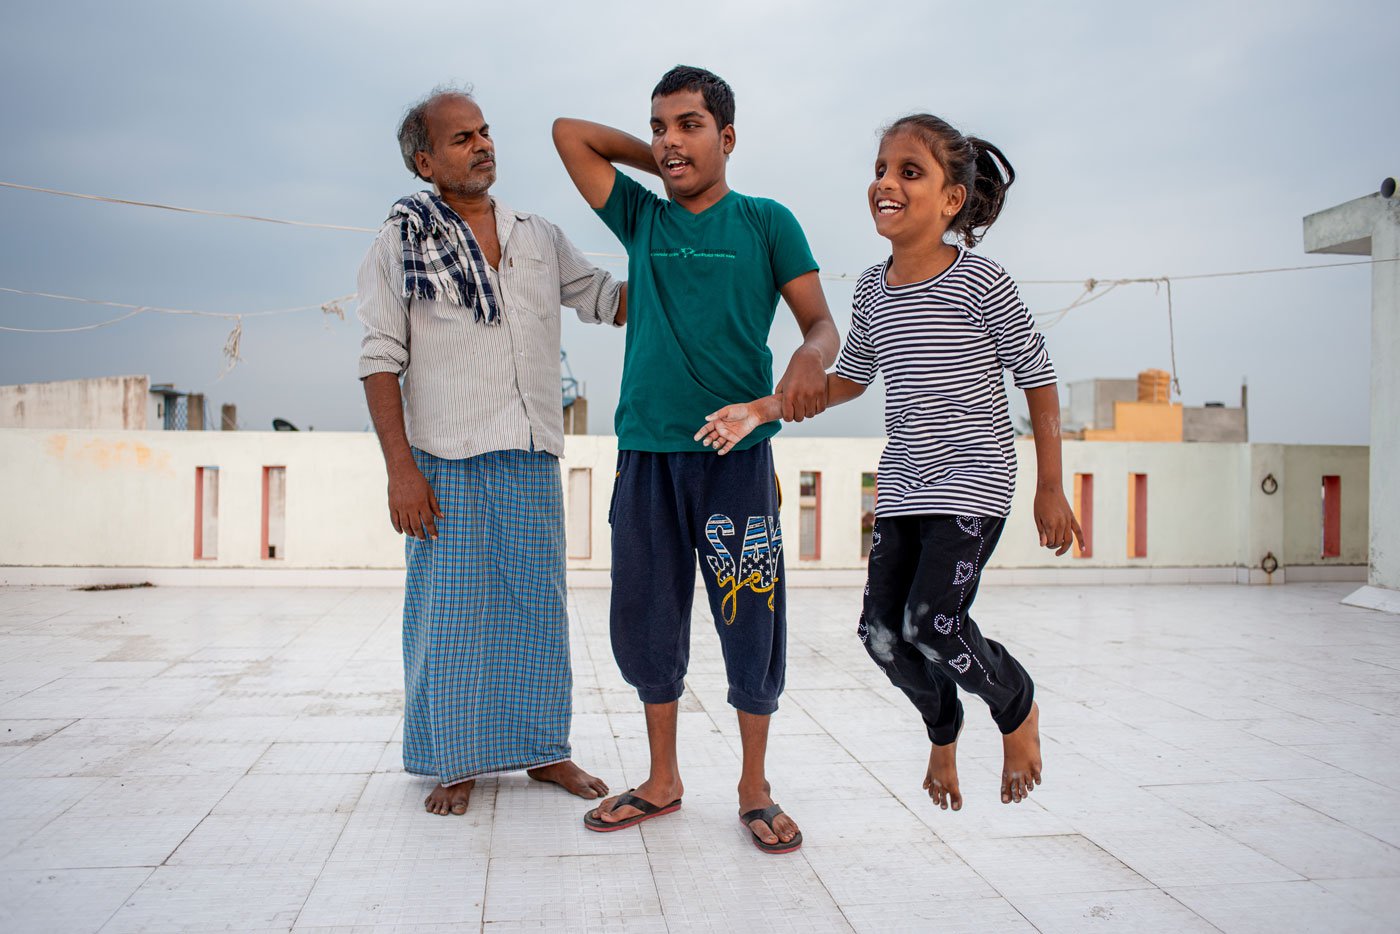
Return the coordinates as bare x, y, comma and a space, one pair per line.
941, 345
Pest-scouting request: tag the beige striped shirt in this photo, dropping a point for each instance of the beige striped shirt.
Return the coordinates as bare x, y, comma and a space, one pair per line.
470, 387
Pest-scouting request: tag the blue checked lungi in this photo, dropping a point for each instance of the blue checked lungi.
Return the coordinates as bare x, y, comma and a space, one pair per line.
485, 624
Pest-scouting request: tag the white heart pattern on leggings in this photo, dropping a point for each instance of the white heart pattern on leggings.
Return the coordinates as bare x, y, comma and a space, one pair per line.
963, 573
970, 524
943, 624
962, 663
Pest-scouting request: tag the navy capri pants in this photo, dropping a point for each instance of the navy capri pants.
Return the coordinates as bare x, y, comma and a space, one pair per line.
666, 509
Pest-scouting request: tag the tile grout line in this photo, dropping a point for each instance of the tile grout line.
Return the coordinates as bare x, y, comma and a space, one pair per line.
123, 903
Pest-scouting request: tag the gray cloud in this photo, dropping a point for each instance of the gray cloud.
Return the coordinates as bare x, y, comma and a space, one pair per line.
1185, 139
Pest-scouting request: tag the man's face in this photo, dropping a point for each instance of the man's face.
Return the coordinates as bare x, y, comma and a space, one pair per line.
462, 157
689, 148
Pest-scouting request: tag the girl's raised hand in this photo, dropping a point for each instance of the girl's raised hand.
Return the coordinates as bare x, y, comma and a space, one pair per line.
729, 426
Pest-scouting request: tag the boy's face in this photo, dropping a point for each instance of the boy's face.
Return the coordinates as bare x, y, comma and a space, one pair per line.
689, 148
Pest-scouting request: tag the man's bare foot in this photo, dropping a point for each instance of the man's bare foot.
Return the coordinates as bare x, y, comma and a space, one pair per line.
941, 781
784, 827
1020, 771
450, 799
655, 791
571, 778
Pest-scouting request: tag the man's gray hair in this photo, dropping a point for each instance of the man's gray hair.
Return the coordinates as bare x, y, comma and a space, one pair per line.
413, 129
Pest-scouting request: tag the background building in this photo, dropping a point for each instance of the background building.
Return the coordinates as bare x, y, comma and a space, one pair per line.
1141, 410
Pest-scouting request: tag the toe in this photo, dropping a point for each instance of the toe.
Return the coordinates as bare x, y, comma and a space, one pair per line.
763, 832
610, 813
785, 828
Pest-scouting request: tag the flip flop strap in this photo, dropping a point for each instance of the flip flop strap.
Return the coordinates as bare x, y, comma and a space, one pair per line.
764, 814
627, 798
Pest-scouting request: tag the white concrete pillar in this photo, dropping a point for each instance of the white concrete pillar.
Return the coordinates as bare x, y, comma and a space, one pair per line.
1262, 479
1370, 226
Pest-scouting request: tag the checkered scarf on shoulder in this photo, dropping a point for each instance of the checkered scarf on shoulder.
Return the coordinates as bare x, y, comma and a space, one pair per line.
433, 237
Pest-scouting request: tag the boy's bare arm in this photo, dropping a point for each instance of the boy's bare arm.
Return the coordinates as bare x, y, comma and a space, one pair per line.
803, 386
589, 152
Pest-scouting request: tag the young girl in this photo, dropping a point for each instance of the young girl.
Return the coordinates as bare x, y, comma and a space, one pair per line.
941, 324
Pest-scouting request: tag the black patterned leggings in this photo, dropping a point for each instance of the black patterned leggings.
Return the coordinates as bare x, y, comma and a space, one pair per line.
924, 572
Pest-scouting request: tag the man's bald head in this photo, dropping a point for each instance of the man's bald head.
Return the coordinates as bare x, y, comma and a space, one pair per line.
414, 136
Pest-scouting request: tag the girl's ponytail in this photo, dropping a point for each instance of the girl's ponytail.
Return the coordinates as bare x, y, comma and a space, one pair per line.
992, 175
974, 163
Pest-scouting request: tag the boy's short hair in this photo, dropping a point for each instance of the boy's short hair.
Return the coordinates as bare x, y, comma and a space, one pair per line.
718, 95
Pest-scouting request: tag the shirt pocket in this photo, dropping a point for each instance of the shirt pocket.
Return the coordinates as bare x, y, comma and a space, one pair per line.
533, 284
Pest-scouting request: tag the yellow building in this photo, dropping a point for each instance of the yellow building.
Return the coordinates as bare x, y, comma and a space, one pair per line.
1152, 417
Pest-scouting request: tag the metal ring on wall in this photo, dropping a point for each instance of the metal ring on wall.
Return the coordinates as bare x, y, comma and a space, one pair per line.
1269, 485
1270, 564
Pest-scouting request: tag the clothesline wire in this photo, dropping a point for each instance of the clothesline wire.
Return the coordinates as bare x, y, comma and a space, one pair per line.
1091, 289
334, 306
833, 276
229, 214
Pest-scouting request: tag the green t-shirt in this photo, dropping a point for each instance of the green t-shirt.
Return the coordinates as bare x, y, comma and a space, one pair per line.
701, 293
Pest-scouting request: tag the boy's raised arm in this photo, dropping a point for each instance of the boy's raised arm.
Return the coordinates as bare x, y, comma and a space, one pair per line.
590, 150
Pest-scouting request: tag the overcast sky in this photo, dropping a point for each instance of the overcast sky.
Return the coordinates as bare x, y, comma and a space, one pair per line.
1177, 139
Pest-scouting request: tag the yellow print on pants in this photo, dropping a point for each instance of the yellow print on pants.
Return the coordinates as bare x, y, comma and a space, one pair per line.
757, 566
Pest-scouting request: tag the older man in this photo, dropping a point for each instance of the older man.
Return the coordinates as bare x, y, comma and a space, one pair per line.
459, 297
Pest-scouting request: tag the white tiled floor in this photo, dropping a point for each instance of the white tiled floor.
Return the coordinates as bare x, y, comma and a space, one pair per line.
1217, 758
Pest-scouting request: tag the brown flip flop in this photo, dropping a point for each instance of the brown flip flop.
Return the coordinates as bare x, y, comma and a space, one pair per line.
766, 815
592, 821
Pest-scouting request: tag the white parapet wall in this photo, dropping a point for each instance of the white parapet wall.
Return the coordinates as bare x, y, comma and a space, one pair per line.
103, 500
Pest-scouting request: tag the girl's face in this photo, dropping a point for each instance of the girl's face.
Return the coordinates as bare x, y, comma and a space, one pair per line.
910, 196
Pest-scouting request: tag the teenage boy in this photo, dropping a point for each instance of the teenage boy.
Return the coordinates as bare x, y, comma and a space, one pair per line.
706, 268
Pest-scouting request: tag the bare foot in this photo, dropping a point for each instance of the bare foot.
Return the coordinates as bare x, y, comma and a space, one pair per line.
1020, 771
784, 828
449, 799
571, 778
655, 791
941, 782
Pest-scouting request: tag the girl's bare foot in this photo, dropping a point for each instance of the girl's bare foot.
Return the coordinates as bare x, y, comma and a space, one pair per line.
571, 778
1020, 771
449, 799
941, 782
